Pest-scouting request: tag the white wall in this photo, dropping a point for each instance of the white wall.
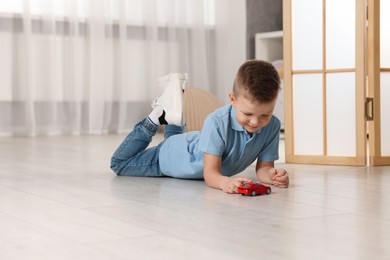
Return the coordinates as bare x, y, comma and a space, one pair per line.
230, 44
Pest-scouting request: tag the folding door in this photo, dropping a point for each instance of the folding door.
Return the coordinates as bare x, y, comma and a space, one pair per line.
330, 50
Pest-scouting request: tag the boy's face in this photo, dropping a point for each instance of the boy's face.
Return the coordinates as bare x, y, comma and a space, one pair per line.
252, 115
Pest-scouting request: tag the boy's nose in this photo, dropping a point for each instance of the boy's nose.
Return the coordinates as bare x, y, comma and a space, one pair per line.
254, 122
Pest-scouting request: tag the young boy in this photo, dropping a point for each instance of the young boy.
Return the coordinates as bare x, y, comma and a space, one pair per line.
232, 137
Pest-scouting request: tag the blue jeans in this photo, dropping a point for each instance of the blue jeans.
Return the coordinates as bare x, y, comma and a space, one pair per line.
134, 158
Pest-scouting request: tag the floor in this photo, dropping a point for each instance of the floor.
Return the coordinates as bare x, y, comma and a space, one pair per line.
59, 200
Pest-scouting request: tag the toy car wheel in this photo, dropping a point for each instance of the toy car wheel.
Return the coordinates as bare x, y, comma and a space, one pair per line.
254, 193
268, 190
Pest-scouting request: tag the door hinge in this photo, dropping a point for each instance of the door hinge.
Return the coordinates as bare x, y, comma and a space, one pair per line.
370, 109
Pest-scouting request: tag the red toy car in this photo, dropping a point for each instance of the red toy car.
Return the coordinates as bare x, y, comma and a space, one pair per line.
253, 188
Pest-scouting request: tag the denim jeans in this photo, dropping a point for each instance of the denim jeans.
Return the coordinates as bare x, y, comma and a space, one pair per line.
134, 158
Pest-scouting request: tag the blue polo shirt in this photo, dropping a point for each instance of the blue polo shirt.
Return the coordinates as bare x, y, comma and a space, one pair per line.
181, 156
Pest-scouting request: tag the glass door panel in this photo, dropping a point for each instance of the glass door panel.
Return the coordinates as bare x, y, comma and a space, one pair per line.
308, 111
385, 113
385, 77
307, 51
384, 34
341, 114
340, 34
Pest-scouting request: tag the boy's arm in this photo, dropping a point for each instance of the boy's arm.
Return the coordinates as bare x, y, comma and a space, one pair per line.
266, 173
214, 178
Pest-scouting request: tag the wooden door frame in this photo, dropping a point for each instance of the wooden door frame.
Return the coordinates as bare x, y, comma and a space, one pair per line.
361, 151
374, 71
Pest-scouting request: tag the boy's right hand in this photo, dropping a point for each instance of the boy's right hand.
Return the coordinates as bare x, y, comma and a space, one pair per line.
231, 184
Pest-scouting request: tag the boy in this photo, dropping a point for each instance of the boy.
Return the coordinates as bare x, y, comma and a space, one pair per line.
232, 137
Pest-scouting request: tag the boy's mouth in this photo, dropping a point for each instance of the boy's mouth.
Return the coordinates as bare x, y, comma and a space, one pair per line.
252, 128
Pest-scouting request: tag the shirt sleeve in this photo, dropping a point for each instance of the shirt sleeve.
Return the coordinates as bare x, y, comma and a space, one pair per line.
211, 137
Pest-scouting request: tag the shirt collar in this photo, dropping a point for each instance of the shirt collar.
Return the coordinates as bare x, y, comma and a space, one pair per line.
235, 125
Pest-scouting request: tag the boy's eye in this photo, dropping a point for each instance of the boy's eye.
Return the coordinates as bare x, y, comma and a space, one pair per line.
265, 116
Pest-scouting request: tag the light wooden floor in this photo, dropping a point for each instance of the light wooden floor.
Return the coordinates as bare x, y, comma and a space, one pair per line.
59, 200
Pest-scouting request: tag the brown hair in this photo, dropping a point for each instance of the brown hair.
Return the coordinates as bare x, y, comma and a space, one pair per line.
258, 81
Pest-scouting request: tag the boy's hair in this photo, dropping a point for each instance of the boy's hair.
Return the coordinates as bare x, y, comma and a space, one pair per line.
257, 81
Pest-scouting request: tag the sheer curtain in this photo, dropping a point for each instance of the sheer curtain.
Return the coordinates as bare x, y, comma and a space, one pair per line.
89, 66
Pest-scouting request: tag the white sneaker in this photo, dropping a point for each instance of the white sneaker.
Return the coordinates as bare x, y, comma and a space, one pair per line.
171, 99
163, 81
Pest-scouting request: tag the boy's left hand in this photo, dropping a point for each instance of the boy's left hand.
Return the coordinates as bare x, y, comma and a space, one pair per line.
279, 177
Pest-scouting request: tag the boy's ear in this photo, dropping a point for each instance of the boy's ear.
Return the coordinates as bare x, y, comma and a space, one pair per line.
232, 98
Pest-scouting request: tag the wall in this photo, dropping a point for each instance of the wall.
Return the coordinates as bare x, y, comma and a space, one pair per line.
237, 22
262, 16
230, 45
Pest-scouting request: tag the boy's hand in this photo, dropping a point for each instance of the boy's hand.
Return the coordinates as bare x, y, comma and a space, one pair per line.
231, 184
279, 177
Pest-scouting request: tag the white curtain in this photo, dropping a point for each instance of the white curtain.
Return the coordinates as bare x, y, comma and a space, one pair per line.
89, 66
